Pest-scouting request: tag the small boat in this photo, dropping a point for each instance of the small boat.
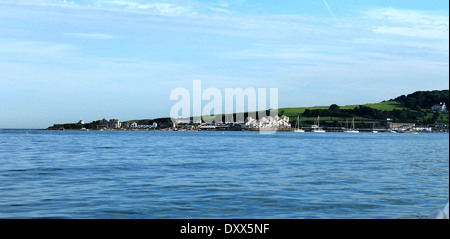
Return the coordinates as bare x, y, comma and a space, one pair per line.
84, 129
319, 131
352, 131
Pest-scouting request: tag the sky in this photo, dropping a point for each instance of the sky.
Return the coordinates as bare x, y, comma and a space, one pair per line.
62, 61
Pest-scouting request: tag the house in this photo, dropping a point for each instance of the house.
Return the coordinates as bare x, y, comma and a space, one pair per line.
103, 123
283, 122
440, 107
251, 123
114, 124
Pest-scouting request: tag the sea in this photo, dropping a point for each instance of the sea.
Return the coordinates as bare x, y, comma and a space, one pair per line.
221, 175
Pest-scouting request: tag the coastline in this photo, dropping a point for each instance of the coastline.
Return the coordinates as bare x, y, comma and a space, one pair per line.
307, 130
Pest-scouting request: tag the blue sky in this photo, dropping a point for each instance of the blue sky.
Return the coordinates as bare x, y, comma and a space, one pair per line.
61, 61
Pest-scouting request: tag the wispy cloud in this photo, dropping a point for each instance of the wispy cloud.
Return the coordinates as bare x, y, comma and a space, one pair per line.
159, 7
407, 16
94, 36
223, 4
218, 9
33, 48
409, 23
328, 7
417, 32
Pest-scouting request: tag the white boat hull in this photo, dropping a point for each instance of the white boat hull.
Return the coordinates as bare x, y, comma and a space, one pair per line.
352, 131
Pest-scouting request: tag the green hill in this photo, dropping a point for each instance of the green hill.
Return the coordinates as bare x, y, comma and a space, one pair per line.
413, 108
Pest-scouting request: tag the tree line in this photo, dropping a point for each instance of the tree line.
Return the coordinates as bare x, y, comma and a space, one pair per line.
423, 99
397, 115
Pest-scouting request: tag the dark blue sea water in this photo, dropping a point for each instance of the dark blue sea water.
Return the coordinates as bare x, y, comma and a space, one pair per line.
119, 174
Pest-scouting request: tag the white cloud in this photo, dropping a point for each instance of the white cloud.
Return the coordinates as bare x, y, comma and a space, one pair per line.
416, 32
95, 36
409, 23
31, 48
278, 52
154, 7
168, 8
223, 4
408, 16
217, 9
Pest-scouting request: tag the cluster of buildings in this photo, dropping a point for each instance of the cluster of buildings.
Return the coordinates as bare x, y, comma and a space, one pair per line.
135, 125
111, 124
251, 123
405, 127
279, 122
269, 122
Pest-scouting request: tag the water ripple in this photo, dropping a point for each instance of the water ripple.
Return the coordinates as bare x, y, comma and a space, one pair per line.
68, 174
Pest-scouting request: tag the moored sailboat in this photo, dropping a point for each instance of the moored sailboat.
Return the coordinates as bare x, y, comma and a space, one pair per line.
297, 127
373, 129
316, 126
353, 130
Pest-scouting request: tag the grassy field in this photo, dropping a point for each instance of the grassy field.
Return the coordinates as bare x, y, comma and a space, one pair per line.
443, 118
388, 106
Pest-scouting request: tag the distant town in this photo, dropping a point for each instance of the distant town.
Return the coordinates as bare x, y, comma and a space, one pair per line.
421, 111
279, 123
